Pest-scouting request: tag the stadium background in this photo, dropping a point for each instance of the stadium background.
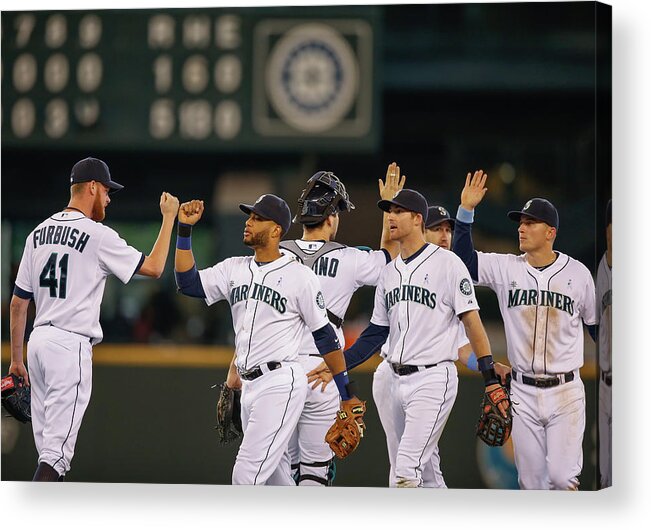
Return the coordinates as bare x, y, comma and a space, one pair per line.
442, 90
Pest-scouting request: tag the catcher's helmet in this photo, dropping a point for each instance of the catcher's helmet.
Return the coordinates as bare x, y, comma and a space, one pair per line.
324, 195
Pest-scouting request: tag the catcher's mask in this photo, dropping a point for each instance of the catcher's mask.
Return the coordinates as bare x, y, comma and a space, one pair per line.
324, 195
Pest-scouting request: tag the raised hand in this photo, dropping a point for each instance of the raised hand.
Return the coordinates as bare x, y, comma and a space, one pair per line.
169, 204
474, 190
392, 184
191, 211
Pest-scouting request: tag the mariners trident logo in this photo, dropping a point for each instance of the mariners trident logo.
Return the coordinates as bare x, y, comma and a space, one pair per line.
526, 206
465, 287
320, 301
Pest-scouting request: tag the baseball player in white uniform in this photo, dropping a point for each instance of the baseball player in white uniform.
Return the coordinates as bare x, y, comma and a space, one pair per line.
544, 297
64, 267
341, 270
420, 297
438, 231
273, 297
605, 308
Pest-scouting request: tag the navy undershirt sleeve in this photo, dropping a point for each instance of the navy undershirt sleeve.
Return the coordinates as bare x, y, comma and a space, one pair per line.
20, 293
593, 330
463, 247
368, 343
189, 283
326, 339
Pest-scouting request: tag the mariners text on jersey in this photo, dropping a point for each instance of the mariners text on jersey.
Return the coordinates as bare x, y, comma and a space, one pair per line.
261, 293
410, 293
60, 235
542, 298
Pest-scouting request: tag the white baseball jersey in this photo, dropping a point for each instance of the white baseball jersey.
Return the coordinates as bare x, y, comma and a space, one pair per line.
65, 264
270, 303
604, 301
421, 301
340, 272
542, 310
462, 340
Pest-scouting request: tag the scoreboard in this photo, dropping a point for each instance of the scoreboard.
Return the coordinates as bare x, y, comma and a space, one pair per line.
213, 79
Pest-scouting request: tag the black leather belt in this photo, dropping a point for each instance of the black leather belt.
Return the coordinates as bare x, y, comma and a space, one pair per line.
544, 382
406, 369
259, 370
607, 377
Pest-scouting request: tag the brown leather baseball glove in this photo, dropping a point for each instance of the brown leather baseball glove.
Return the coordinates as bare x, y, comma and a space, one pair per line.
493, 428
348, 429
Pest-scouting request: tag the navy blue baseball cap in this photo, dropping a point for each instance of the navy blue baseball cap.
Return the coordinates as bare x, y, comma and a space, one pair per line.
271, 207
437, 215
540, 209
409, 200
93, 169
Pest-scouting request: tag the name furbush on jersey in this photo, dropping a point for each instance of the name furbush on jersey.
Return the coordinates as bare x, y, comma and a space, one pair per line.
261, 293
60, 235
560, 301
410, 293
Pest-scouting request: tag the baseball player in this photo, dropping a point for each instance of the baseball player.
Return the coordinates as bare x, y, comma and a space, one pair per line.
543, 295
273, 297
438, 231
341, 270
604, 299
64, 267
420, 297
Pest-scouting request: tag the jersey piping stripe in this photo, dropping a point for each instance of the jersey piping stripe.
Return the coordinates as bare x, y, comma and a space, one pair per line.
445, 393
74, 408
282, 420
255, 311
140, 262
535, 328
68, 220
547, 319
404, 337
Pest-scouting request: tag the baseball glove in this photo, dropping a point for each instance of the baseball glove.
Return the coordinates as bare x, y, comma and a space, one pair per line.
493, 428
16, 398
348, 429
229, 420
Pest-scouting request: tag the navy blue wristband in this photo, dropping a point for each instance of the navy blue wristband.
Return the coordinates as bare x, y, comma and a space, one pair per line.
184, 229
486, 367
341, 380
183, 243
184, 236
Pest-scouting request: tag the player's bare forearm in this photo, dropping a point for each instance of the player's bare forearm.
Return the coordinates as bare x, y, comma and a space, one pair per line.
335, 361
464, 353
476, 333
154, 263
17, 323
233, 379
183, 260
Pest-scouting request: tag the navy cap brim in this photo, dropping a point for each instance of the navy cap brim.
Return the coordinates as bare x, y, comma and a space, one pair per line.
385, 205
248, 208
440, 221
515, 215
114, 186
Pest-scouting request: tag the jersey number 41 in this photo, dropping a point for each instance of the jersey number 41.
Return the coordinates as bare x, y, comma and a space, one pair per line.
48, 276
